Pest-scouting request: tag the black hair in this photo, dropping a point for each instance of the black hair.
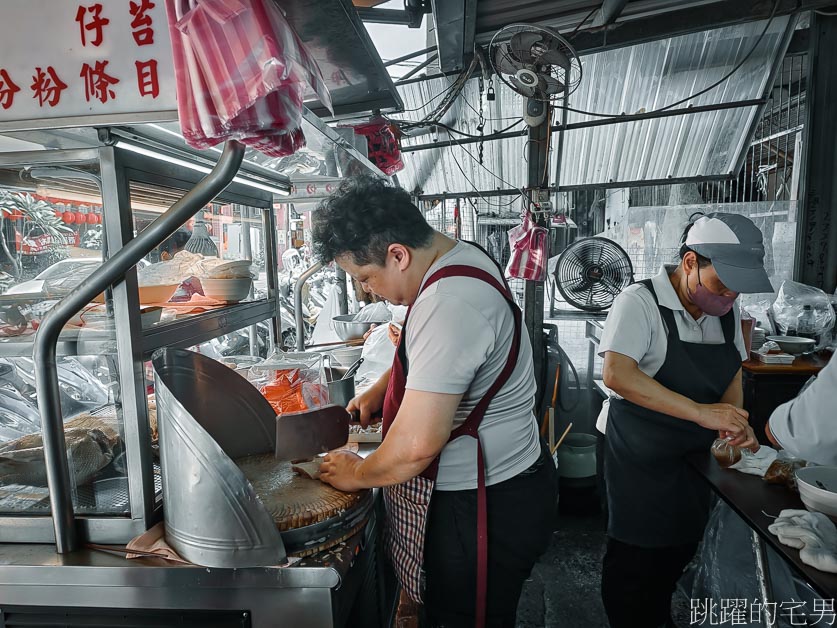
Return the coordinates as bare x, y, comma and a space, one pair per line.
703, 262
363, 218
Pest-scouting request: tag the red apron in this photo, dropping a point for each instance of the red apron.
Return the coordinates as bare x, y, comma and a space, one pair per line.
407, 504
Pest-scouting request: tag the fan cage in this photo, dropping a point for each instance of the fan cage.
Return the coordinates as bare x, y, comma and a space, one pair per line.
571, 80
592, 272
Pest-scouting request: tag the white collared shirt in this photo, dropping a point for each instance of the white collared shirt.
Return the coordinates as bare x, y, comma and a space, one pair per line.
635, 328
806, 427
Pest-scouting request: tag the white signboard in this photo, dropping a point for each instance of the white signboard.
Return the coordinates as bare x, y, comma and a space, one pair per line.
68, 63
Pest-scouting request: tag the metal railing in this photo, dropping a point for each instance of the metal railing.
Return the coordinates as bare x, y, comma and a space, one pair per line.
46, 339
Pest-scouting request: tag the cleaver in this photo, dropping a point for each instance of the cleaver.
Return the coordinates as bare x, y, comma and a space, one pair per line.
310, 432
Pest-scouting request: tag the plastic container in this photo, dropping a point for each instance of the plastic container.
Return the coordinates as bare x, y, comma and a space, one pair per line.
806, 323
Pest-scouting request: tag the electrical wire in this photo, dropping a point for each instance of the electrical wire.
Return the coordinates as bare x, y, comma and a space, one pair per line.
584, 21
493, 174
450, 129
471, 107
427, 104
473, 185
723, 79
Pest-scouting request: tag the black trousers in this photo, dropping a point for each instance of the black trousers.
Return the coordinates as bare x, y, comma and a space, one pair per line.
637, 583
521, 519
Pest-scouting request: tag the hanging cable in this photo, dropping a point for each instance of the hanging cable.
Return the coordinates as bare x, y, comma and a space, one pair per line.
723, 79
584, 21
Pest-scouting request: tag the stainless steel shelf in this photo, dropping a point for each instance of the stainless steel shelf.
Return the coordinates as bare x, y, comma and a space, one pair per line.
202, 327
91, 344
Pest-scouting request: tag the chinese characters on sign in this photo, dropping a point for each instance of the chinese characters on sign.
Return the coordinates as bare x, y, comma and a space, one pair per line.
47, 86
743, 612
95, 23
141, 24
94, 29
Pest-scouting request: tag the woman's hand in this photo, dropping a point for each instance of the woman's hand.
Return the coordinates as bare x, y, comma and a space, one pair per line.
747, 440
339, 469
368, 404
723, 417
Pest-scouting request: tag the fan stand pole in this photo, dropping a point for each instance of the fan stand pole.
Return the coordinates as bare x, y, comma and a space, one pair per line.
537, 149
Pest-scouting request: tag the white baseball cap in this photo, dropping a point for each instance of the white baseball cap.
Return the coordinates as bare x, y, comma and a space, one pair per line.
735, 247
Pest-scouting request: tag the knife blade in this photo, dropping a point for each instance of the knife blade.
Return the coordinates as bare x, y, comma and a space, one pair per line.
311, 432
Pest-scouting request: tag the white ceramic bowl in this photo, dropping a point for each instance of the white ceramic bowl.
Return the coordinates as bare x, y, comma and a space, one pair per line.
795, 345
818, 489
347, 356
229, 290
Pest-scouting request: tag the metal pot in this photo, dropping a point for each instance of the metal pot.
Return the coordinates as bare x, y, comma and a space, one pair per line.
577, 456
347, 328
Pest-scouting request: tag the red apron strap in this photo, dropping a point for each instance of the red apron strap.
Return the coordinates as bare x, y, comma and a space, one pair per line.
471, 425
482, 541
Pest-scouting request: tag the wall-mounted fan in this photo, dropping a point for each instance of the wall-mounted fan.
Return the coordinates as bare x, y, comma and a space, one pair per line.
591, 273
536, 62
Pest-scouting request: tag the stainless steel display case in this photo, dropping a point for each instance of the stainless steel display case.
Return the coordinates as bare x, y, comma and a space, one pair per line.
123, 171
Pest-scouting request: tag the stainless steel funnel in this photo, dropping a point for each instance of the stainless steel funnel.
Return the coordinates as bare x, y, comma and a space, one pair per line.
207, 416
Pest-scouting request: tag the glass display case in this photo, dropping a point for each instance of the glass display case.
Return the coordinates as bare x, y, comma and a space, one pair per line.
212, 282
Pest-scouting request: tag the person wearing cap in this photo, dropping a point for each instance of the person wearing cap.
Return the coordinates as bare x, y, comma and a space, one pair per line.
672, 349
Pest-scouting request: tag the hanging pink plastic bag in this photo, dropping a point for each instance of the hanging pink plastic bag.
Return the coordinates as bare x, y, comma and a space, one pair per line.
382, 145
529, 244
241, 74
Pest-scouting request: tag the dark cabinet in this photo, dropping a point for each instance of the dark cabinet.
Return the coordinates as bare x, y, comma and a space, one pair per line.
767, 386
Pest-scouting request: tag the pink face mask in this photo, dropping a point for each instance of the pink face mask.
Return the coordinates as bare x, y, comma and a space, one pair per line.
711, 303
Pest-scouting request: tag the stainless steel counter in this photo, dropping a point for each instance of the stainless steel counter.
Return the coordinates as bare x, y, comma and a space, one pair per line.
325, 590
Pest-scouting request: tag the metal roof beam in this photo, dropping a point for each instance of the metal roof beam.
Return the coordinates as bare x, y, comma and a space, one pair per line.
609, 12
685, 21
455, 29
398, 17
584, 186
650, 115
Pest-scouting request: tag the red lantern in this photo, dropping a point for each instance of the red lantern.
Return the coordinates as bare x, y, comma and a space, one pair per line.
68, 217
59, 214
92, 219
80, 218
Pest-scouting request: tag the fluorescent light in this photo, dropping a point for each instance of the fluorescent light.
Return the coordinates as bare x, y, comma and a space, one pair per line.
162, 157
141, 150
262, 186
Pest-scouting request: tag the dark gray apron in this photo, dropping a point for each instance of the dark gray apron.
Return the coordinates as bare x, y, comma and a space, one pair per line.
654, 498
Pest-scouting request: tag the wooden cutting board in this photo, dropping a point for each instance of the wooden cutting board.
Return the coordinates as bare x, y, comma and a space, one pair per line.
292, 500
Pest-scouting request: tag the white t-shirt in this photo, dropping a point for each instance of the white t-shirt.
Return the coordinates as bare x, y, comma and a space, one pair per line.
635, 328
458, 339
806, 427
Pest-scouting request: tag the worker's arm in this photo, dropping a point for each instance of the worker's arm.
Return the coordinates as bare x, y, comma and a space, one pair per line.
770, 436
418, 434
622, 375
734, 395
370, 402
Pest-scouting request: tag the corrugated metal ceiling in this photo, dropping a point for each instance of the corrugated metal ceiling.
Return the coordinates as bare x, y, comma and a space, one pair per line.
643, 77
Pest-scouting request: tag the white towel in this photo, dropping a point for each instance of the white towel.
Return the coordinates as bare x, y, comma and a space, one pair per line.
812, 533
756, 463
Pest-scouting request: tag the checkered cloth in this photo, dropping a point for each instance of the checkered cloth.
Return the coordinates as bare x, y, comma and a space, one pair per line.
406, 506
